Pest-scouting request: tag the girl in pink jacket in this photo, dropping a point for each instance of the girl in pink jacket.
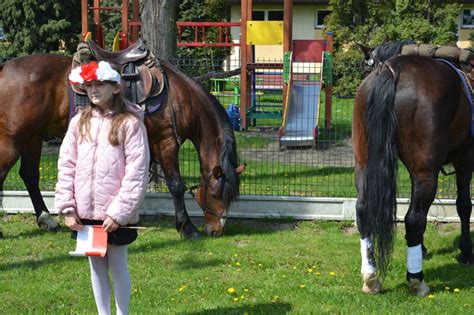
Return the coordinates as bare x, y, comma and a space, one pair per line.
103, 176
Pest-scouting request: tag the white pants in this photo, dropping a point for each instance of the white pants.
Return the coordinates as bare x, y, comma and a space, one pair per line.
114, 261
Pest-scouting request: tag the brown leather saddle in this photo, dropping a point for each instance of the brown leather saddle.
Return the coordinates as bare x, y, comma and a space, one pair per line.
139, 69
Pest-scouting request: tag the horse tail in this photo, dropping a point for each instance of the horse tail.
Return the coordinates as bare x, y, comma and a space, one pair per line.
380, 179
228, 161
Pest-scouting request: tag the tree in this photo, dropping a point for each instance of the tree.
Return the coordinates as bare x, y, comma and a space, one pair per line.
367, 22
35, 26
159, 26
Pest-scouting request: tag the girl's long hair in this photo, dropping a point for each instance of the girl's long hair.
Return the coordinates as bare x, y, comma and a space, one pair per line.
120, 114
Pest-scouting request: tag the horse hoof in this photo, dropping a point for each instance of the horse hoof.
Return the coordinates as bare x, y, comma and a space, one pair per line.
371, 283
467, 260
46, 222
418, 288
190, 232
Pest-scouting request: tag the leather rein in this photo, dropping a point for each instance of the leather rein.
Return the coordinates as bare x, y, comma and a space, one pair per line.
205, 185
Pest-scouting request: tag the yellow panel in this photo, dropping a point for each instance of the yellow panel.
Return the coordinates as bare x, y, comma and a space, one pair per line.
264, 32
88, 37
116, 44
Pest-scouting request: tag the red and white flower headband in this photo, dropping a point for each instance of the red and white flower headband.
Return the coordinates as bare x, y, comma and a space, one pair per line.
94, 72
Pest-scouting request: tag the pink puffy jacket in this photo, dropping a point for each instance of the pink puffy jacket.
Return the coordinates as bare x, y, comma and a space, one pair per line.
96, 179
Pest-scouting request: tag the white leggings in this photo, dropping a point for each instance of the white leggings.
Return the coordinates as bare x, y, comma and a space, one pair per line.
116, 261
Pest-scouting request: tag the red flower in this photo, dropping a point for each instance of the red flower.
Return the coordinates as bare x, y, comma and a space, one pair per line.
88, 72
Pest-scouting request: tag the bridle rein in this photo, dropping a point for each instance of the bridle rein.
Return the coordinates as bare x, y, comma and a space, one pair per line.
204, 184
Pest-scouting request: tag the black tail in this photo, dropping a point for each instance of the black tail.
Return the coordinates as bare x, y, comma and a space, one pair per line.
229, 162
380, 180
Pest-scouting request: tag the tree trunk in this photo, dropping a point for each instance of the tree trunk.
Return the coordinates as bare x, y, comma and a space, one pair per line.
159, 27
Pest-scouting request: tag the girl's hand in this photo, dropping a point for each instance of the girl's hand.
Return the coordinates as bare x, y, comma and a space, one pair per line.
72, 221
110, 225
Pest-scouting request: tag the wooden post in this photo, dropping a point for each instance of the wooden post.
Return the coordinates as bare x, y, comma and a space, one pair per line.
124, 38
287, 39
245, 57
135, 19
84, 20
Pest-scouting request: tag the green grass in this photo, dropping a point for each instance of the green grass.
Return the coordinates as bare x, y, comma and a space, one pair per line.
274, 267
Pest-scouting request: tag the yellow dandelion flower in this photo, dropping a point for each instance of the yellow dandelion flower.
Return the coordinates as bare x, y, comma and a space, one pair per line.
231, 290
318, 273
332, 273
236, 299
239, 270
181, 289
246, 290
260, 265
242, 297
431, 296
237, 263
294, 267
309, 270
210, 253
456, 290
314, 267
235, 255
302, 286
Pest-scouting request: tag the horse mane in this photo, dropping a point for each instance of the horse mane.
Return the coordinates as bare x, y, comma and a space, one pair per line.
228, 160
389, 49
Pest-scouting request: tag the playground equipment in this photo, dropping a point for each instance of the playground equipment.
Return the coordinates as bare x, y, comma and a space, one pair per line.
270, 33
130, 29
307, 69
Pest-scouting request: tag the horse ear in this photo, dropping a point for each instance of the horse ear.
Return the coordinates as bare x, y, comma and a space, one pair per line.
366, 51
217, 172
386, 38
239, 170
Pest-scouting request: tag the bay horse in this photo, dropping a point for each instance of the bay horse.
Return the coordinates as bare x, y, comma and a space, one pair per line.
414, 109
35, 106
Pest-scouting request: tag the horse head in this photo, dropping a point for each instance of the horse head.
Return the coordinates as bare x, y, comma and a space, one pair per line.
211, 198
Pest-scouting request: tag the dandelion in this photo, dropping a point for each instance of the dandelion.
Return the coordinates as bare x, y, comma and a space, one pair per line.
231, 290
235, 255
236, 299
318, 273
431, 296
309, 270
246, 290
314, 267
294, 267
181, 289
237, 263
239, 270
260, 265
210, 253
302, 286
332, 273
456, 290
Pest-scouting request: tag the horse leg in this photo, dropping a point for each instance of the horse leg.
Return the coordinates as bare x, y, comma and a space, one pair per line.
368, 266
8, 157
29, 172
423, 193
168, 157
464, 206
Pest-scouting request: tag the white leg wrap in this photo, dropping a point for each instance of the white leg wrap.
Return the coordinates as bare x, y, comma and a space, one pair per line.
414, 259
367, 254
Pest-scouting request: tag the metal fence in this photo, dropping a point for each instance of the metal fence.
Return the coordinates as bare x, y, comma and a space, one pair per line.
321, 168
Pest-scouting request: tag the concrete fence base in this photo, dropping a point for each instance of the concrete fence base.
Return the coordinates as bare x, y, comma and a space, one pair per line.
301, 208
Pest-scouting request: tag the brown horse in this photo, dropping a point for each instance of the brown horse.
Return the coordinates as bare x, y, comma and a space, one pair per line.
34, 106
415, 109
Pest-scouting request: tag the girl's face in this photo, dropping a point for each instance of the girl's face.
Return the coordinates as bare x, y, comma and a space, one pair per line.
102, 93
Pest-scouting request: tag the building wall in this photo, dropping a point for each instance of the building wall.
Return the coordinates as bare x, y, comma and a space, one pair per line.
464, 33
303, 28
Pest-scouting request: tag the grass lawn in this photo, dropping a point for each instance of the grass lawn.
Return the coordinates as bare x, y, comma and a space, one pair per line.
256, 267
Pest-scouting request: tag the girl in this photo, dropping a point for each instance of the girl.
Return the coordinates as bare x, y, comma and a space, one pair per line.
103, 176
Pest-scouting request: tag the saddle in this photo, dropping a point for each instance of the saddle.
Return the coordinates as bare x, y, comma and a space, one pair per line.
140, 79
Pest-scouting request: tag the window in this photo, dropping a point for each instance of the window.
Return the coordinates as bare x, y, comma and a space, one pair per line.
258, 15
267, 15
275, 15
468, 18
319, 20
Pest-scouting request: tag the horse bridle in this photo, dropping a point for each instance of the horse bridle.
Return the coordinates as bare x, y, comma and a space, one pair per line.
205, 185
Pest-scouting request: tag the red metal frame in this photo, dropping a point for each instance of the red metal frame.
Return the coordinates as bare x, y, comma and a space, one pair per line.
200, 28
128, 27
